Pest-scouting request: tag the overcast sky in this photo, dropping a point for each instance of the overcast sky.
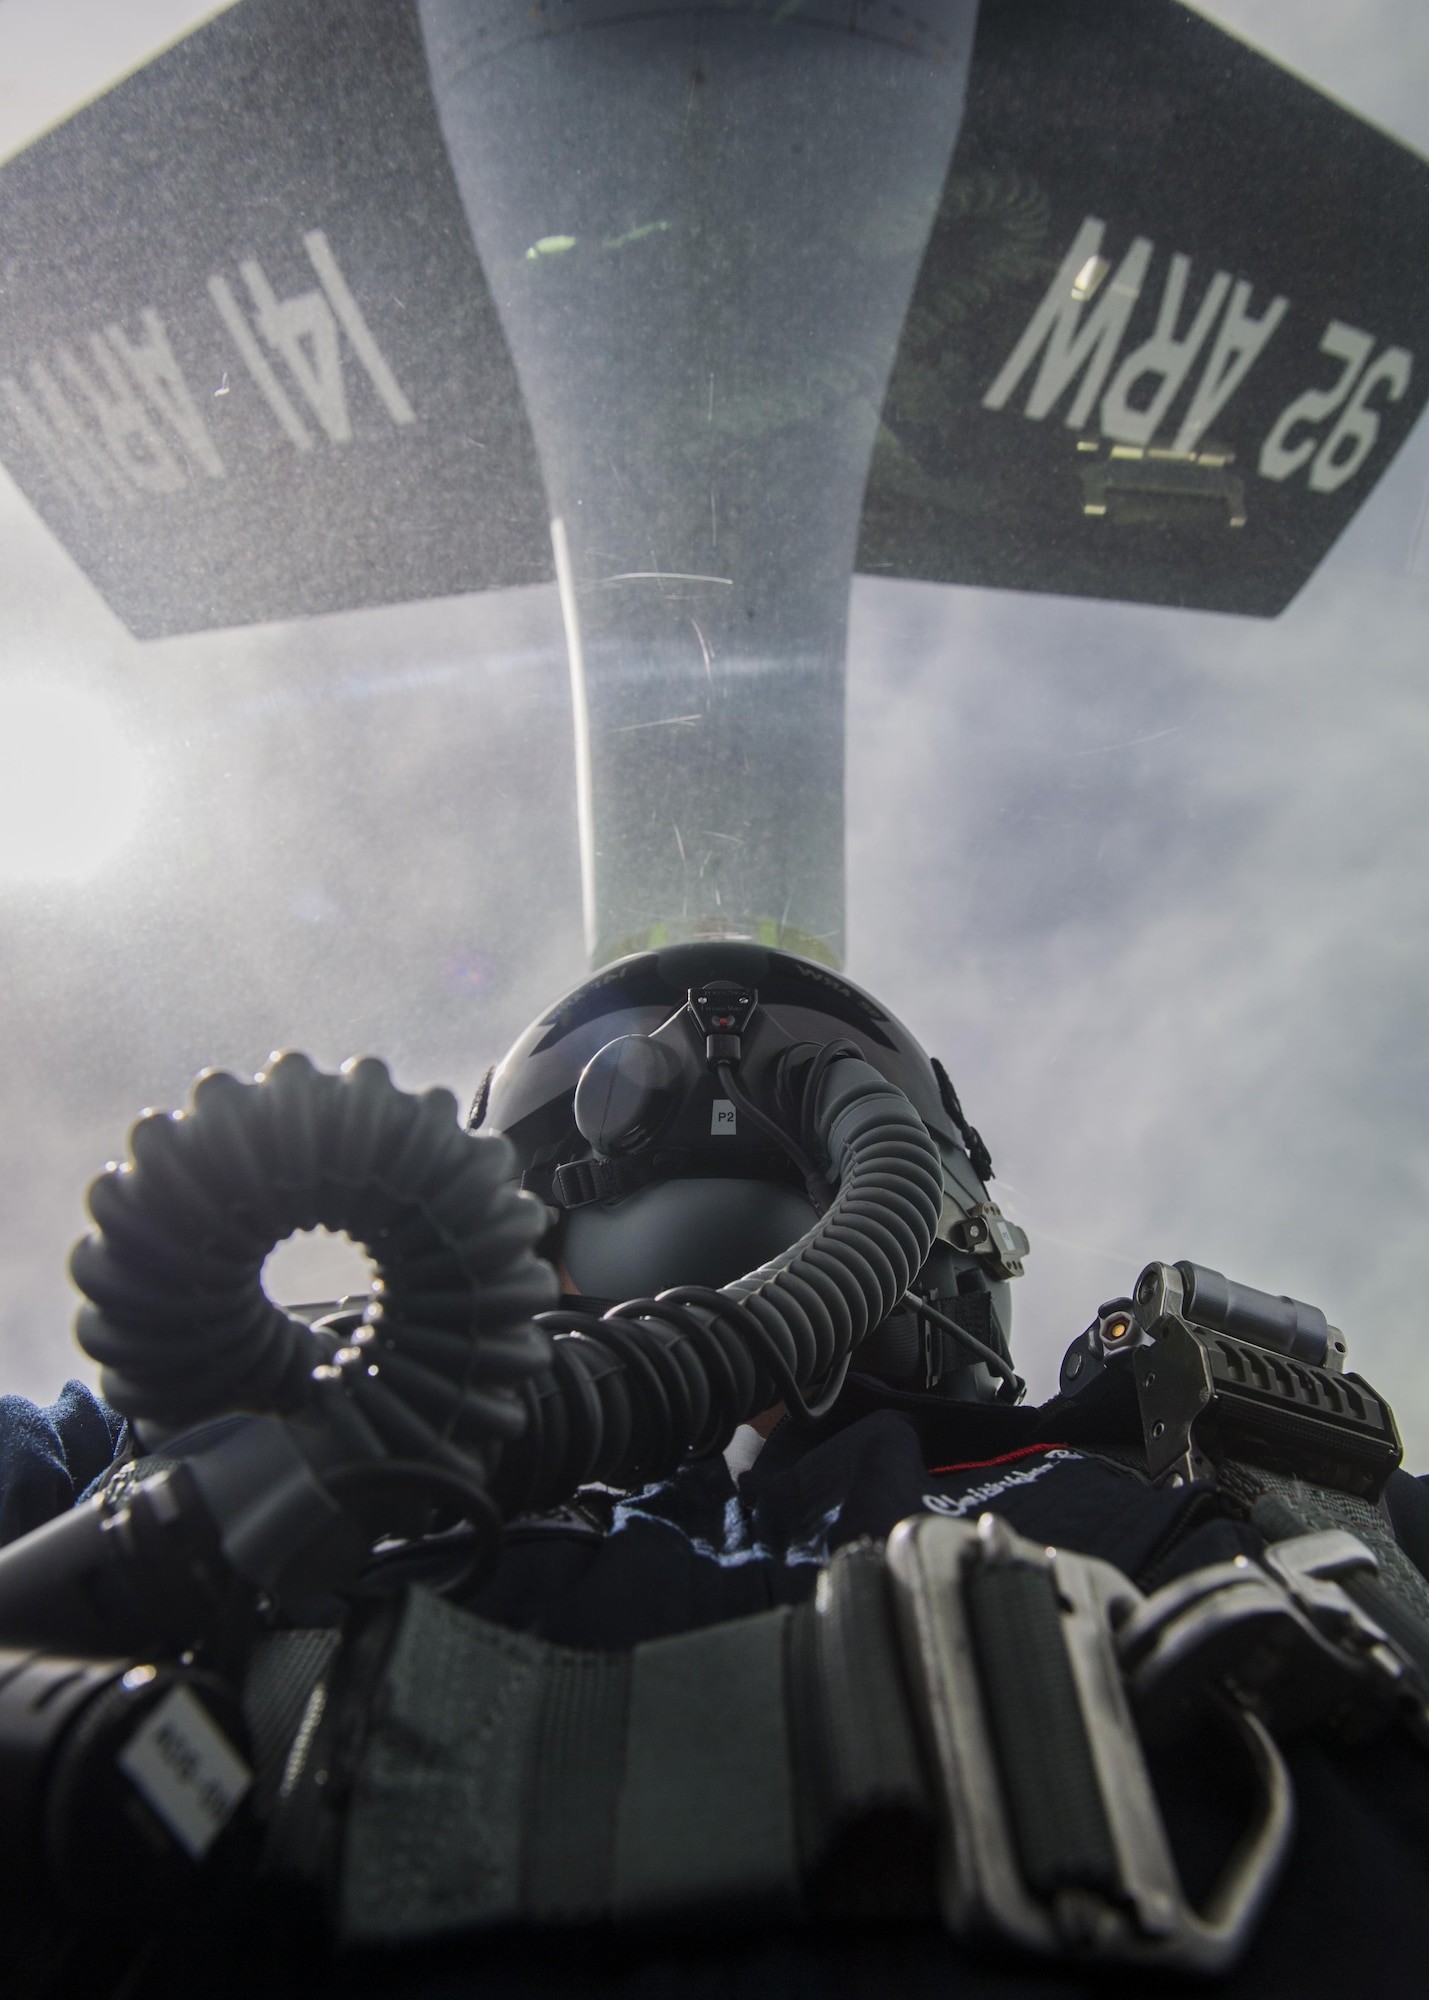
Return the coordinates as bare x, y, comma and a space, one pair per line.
1153, 884
1161, 904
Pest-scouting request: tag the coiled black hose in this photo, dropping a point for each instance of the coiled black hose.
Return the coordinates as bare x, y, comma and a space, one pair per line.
631, 1392
448, 1368
183, 1329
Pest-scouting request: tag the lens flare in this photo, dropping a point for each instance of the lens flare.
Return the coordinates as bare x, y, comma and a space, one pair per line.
72, 784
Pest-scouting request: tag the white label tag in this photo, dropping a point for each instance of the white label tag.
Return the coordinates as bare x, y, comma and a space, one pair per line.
184, 1765
722, 1119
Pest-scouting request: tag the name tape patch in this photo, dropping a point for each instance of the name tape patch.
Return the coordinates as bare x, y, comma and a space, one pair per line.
184, 1766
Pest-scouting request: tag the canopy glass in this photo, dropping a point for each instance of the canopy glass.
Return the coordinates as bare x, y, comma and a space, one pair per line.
1108, 774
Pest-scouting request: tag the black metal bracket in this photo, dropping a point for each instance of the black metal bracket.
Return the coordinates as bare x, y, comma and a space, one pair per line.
1207, 1396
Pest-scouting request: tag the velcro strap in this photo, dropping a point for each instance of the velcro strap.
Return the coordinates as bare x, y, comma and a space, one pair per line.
706, 1813
1039, 1731
283, 1670
505, 1780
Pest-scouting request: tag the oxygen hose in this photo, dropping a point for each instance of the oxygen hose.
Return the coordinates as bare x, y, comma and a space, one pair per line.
632, 1391
179, 1319
455, 1367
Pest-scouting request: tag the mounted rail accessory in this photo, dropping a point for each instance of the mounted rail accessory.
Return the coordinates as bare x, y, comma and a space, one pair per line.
1226, 1374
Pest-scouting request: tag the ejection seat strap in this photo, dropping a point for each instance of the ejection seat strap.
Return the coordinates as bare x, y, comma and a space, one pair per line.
506, 1780
709, 1707
955, 1723
454, 1783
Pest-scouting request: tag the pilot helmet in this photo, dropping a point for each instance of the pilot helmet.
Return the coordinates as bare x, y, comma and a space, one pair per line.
659, 1173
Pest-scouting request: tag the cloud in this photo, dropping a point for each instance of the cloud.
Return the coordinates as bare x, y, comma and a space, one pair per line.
1156, 886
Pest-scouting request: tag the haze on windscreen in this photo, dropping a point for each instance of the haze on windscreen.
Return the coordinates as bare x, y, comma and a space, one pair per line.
1153, 883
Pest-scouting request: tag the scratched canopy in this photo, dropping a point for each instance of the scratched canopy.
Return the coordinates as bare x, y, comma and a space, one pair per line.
1155, 883
1163, 343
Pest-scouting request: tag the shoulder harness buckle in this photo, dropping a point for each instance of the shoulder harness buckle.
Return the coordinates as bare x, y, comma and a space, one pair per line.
1053, 1836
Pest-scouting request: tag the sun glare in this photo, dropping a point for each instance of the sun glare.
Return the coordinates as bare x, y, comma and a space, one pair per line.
71, 784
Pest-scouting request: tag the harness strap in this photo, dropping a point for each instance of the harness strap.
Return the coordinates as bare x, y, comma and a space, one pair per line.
570, 1813
509, 1780
708, 1710
955, 1723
